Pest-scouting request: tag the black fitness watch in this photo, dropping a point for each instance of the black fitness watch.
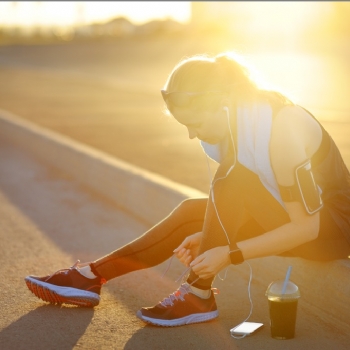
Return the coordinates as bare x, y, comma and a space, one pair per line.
236, 255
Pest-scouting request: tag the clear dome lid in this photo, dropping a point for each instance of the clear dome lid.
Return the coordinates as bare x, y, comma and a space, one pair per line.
275, 289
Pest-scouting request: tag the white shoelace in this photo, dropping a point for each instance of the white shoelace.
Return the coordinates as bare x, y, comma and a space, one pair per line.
182, 276
177, 295
64, 270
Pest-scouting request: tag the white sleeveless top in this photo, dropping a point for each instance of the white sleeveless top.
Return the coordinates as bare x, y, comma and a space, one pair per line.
254, 124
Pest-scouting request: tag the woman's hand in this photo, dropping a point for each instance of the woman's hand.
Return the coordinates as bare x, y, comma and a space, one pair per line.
211, 262
188, 249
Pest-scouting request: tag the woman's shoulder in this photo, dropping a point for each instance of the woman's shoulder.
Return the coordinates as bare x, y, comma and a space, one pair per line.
294, 118
290, 113
295, 133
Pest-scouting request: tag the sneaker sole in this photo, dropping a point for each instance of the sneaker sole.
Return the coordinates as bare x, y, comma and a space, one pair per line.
59, 295
194, 318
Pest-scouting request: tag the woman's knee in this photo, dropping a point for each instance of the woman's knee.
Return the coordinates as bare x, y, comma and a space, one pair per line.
194, 207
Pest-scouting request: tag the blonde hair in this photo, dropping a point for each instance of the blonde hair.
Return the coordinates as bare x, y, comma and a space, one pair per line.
223, 72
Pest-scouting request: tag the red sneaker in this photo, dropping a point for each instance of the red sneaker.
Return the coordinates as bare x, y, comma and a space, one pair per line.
67, 286
180, 308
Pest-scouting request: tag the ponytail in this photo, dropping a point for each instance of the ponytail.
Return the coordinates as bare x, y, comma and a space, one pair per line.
223, 72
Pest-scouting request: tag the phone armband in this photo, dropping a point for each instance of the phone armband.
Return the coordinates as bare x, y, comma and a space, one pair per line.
304, 189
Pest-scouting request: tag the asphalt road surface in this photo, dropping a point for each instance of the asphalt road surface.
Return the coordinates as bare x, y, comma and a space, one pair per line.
47, 221
107, 96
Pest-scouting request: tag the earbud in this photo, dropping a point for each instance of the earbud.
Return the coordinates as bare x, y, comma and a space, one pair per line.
225, 108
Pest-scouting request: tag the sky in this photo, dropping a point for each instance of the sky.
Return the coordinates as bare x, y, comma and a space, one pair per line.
57, 13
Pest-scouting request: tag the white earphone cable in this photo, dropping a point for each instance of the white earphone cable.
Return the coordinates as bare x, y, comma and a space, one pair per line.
212, 184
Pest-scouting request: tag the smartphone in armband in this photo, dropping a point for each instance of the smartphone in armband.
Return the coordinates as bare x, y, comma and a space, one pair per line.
308, 189
246, 328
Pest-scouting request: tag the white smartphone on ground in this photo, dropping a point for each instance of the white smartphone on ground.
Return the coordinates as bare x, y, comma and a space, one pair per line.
246, 328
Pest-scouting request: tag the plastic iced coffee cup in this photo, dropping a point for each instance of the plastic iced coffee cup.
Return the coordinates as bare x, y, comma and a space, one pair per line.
282, 308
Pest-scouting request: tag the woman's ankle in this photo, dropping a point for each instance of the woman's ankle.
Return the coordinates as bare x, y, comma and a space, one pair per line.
202, 293
86, 272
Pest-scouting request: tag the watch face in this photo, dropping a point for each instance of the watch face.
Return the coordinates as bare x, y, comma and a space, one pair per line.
236, 257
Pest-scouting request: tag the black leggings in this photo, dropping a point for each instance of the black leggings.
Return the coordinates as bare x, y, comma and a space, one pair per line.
240, 191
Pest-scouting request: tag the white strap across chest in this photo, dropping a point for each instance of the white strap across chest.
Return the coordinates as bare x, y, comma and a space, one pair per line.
253, 138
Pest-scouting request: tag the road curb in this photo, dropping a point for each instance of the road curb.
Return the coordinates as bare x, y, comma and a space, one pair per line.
134, 189
150, 197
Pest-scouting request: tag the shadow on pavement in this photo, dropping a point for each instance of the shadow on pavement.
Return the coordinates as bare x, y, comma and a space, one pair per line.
209, 335
47, 327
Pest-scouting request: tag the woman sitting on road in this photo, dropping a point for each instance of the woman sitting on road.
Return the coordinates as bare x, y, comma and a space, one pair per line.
281, 188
